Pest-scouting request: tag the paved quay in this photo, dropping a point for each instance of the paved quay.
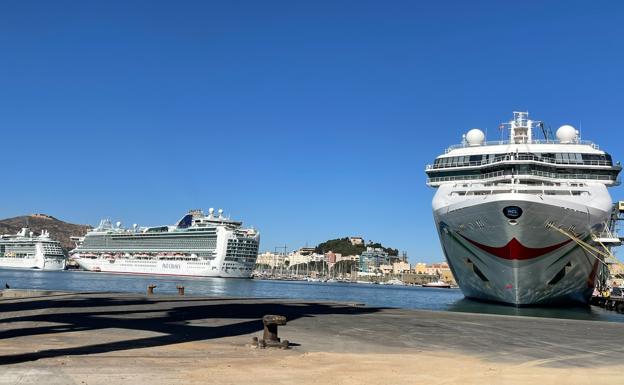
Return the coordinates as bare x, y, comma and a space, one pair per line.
108, 338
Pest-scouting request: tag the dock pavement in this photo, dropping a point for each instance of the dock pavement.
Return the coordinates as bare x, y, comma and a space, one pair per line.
111, 338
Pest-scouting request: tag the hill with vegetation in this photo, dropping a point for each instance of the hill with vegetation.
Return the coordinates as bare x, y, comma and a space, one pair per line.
343, 246
59, 230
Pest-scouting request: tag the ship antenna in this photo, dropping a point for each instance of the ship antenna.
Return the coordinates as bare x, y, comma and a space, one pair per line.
541, 125
580, 130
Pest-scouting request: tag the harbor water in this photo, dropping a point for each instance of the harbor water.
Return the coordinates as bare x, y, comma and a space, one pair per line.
405, 297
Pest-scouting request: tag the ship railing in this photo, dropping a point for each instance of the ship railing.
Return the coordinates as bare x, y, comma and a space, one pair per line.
506, 189
508, 175
533, 141
520, 157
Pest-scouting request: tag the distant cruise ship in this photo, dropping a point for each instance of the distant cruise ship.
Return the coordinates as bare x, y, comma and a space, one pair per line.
510, 214
24, 250
198, 245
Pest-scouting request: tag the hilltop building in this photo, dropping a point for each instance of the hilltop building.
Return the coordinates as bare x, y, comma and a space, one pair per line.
355, 241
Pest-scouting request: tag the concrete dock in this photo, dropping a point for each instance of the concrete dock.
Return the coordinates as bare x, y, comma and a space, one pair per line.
74, 338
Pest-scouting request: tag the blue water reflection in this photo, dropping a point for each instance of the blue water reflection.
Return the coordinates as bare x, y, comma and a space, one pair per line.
405, 297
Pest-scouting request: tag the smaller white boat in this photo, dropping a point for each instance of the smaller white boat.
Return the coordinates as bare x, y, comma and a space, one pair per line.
439, 284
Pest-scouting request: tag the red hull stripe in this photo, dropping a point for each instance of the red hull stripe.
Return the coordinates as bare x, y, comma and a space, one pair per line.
514, 250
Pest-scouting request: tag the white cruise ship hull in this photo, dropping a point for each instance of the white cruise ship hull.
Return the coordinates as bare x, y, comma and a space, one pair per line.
185, 268
521, 262
33, 263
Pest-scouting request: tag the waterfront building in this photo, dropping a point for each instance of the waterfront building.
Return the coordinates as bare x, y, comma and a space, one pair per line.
314, 257
386, 269
420, 268
372, 258
401, 267
331, 257
354, 258
297, 259
437, 268
270, 259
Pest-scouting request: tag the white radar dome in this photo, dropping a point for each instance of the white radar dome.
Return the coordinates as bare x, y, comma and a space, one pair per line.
475, 137
567, 134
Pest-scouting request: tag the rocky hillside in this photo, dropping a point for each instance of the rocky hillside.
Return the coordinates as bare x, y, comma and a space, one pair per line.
59, 230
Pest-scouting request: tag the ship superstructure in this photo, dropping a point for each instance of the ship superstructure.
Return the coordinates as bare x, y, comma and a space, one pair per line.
25, 250
498, 206
198, 245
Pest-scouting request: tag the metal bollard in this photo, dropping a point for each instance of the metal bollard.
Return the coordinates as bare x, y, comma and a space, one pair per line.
271, 322
180, 290
150, 289
270, 338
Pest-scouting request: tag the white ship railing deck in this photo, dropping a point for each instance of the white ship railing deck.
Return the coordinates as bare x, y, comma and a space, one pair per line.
519, 157
492, 176
533, 141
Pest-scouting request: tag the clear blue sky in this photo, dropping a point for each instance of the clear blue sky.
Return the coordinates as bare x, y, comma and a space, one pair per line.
309, 120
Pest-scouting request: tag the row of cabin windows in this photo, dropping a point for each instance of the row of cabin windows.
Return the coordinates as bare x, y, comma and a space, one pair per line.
564, 157
524, 169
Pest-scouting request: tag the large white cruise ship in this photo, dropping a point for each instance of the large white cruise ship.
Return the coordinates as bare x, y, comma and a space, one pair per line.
512, 215
25, 250
198, 245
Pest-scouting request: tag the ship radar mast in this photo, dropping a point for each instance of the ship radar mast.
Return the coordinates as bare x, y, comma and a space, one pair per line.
521, 128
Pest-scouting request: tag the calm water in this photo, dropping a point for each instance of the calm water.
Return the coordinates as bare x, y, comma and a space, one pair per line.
372, 295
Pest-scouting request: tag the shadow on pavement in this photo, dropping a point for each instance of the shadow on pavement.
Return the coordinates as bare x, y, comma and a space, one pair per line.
172, 318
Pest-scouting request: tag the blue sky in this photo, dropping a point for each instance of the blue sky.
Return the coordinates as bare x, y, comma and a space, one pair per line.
309, 120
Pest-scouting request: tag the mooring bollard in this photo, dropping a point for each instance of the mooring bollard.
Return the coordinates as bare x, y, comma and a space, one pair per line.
270, 338
150, 289
180, 290
270, 327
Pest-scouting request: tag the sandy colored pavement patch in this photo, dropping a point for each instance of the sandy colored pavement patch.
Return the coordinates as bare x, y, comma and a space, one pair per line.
235, 365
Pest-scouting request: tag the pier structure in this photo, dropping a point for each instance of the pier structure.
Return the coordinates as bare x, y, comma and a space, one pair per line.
109, 338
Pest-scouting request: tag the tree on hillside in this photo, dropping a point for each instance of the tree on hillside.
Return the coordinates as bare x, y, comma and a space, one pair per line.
341, 246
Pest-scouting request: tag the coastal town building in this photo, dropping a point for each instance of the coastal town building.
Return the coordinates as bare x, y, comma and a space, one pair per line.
355, 241
385, 269
271, 259
354, 258
420, 268
371, 259
401, 267
432, 272
437, 268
